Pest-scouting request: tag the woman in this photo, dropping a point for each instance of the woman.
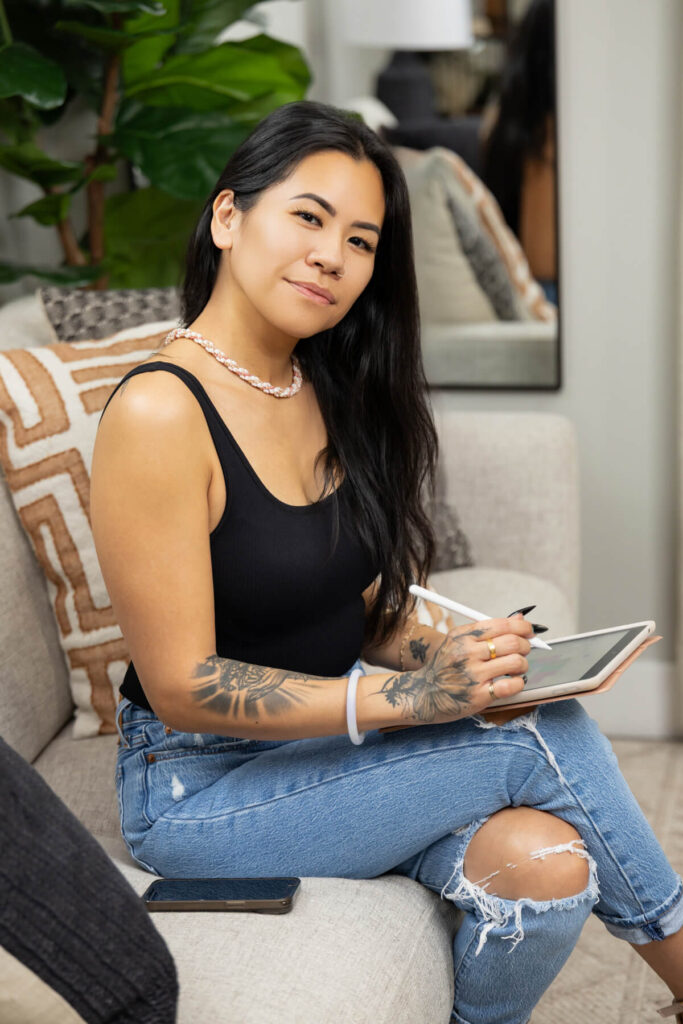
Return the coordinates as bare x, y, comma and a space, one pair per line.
258, 524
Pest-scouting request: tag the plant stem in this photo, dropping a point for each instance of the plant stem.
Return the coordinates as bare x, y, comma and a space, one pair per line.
73, 252
4, 25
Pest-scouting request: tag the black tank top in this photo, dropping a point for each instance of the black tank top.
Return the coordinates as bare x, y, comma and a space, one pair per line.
282, 597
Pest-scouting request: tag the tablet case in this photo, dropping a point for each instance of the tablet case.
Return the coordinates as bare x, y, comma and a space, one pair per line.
508, 709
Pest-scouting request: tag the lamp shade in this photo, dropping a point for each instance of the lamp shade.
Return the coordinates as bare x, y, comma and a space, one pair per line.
407, 24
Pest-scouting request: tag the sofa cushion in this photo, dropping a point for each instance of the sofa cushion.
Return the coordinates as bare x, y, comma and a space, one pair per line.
497, 592
78, 314
50, 401
24, 322
35, 699
26, 999
82, 775
350, 950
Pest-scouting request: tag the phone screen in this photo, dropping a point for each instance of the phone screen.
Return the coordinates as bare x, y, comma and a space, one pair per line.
574, 659
186, 889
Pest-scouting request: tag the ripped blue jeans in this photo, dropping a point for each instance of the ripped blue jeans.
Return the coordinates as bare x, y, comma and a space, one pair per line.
408, 802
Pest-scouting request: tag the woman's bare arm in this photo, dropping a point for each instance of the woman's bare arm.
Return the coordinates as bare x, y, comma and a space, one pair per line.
236, 698
150, 518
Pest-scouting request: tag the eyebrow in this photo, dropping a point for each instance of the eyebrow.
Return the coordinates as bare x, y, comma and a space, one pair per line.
333, 213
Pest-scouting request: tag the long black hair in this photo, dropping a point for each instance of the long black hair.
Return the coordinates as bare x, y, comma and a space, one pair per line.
527, 96
367, 370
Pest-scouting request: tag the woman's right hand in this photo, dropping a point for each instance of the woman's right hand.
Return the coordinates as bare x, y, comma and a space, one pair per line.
454, 682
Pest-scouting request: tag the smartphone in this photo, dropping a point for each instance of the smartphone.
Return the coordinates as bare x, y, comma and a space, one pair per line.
258, 895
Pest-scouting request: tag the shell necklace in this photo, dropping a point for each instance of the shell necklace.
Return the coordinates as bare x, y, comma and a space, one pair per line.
263, 385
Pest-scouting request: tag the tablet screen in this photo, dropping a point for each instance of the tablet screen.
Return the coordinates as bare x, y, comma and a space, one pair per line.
570, 660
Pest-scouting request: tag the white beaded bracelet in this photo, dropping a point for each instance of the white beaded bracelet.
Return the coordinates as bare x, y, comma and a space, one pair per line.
351, 721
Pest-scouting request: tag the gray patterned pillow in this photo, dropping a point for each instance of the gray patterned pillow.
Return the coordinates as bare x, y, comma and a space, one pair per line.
78, 315
453, 550
489, 269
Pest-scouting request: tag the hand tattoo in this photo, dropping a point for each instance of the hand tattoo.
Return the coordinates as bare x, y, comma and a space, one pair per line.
418, 649
442, 686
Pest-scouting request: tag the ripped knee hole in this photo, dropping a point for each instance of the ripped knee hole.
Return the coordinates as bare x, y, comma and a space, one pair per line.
569, 880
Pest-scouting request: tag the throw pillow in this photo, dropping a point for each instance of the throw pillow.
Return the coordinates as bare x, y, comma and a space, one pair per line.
448, 290
460, 181
490, 271
494, 257
50, 400
453, 549
85, 315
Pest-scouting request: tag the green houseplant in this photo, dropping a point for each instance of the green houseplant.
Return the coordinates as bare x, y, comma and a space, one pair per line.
172, 103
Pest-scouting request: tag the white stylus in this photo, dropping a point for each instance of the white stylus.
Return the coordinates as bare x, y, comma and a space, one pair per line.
469, 613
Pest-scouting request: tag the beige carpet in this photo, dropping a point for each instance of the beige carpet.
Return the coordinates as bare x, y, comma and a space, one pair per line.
605, 980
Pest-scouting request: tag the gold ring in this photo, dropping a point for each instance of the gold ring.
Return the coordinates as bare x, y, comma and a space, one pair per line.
492, 691
492, 648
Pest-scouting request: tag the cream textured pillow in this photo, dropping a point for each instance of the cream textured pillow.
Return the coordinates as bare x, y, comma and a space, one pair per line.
447, 198
51, 398
448, 290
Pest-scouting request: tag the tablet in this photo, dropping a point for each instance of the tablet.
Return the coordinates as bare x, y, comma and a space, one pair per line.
577, 663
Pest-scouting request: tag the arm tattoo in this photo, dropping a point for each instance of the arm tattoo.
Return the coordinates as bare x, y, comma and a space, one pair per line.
428, 690
236, 688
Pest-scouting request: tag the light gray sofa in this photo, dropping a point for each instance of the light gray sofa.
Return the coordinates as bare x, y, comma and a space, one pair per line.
351, 951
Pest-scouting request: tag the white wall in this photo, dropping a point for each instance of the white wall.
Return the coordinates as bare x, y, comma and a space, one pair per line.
619, 173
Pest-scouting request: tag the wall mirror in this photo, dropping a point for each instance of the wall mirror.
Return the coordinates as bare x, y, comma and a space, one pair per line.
485, 200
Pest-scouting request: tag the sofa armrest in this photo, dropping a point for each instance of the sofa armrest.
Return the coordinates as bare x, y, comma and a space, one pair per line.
513, 478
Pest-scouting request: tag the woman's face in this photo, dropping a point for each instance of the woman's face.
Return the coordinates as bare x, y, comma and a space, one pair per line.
288, 236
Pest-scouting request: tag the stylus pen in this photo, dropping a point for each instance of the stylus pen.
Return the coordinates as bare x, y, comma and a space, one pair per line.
469, 613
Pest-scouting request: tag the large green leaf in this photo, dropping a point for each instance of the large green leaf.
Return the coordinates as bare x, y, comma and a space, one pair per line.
146, 234
83, 65
75, 276
111, 39
226, 77
25, 72
144, 56
204, 20
28, 161
180, 151
103, 172
119, 6
18, 121
49, 210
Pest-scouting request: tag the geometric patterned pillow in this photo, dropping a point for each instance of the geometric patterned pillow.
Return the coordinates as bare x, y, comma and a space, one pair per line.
494, 226
51, 397
77, 314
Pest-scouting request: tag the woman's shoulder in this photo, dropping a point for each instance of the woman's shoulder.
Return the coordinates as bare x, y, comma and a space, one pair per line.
152, 408
154, 392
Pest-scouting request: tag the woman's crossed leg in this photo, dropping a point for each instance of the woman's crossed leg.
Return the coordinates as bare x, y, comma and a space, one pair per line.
409, 802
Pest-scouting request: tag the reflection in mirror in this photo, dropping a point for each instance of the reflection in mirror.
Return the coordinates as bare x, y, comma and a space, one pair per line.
482, 176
